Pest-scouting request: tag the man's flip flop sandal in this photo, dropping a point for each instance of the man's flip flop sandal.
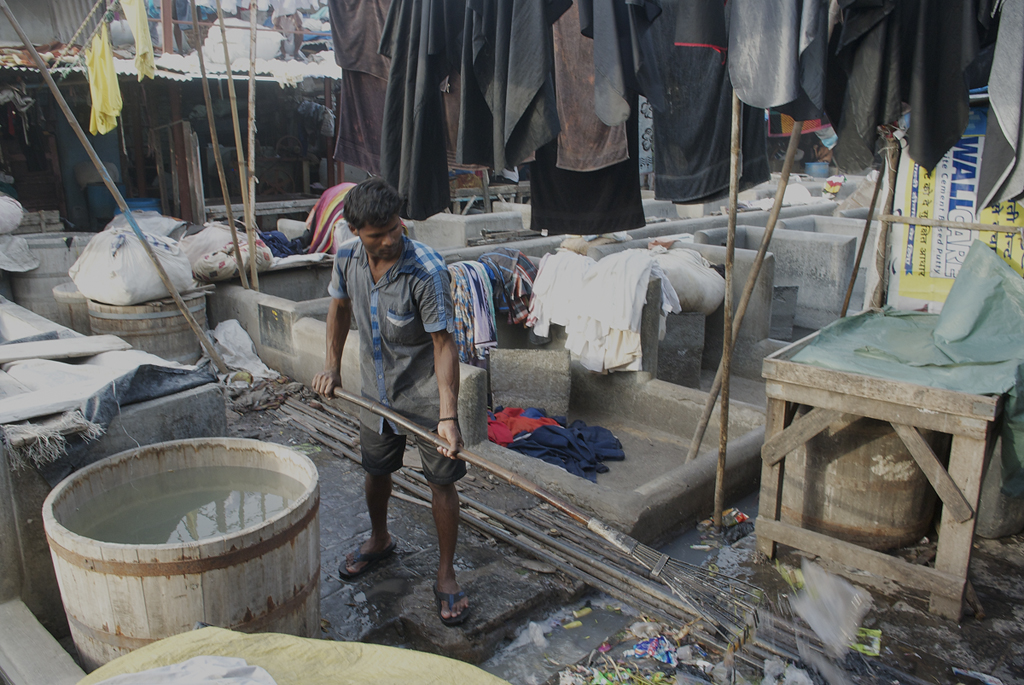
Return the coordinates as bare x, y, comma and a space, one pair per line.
369, 561
452, 598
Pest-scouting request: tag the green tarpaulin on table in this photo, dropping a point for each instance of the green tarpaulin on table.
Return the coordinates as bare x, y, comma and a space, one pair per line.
976, 345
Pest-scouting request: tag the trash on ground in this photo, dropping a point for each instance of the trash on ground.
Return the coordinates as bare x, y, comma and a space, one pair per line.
831, 606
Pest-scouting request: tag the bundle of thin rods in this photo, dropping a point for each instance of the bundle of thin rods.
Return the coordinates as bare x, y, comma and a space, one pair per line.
723, 613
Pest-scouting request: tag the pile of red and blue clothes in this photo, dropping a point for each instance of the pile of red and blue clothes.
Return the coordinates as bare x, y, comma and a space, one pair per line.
578, 448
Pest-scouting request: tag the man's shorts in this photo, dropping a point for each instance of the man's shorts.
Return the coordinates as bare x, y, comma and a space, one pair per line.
383, 452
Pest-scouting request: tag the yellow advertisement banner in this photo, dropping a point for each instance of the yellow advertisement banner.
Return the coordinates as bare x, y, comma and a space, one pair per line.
931, 256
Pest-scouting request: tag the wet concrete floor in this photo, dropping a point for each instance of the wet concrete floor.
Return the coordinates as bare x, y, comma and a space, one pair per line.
515, 628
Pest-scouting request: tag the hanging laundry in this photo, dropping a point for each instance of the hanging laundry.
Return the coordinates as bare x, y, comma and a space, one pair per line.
692, 135
579, 449
474, 311
587, 202
515, 273
360, 114
777, 53
508, 89
585, 143
623, 51
1002, 166
106, 94
599, 303
421, 37
356, 27
138, 23
888, 53
326, 220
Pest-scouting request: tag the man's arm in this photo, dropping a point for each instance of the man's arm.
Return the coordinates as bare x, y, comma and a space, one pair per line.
446, 368
339, 320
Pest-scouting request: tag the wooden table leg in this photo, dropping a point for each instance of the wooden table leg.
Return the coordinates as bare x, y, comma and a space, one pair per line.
966, 462
770, 504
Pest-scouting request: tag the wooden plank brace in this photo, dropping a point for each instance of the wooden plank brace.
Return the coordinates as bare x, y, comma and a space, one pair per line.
797, 433
937, 475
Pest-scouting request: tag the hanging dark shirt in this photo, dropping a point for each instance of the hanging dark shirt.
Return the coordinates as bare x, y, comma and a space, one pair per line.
623, 52
777, 54
356, 27
508, 89
422, 39
889, 53
692, 135
587, 202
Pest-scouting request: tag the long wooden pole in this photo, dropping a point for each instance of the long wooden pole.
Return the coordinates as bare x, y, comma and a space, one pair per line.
879, 294
741, 308
109, 183
863, 242
239, 156
211, 120
252, 143
730, 252
945, 223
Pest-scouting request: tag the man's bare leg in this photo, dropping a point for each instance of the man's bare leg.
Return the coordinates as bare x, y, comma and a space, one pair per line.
378, 493
445, 507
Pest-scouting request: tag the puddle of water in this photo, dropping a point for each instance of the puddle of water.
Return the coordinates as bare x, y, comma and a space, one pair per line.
543, 648
389, 586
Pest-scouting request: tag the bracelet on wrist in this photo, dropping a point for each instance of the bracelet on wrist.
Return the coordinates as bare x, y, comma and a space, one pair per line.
448, 418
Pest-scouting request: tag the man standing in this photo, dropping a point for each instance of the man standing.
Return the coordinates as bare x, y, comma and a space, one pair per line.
398, 291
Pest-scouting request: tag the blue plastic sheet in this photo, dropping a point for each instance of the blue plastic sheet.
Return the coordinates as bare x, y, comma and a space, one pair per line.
976, 345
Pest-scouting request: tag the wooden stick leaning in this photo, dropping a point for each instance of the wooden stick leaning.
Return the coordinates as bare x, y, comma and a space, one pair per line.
250, 225
878, 295
748, 290
726, 364
251, 174
863, 242
109, 183
211, 121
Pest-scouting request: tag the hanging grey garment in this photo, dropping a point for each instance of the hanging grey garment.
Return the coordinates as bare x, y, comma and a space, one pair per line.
508, 90
891, 52
692, 135
777, 54
585, 143
1002, 169
421, 37
356, 26
624, 61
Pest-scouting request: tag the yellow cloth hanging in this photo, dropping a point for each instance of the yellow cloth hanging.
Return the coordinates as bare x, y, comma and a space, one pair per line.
106, 94
135, 13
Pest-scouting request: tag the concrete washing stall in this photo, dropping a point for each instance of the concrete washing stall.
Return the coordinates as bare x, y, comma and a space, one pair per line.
648, 495
818, 265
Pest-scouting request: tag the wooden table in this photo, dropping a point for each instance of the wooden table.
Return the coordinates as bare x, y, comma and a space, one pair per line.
840, 398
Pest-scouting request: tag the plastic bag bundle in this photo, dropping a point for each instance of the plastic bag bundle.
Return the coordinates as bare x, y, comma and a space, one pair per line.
699, 287
115, 269
10, 214
221, 264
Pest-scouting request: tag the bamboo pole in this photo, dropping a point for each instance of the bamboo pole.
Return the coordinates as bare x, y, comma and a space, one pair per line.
945, 223
216, 146
878, 295
249, 225
741, 308
730, 252
109, 183
863, 242
252, 145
